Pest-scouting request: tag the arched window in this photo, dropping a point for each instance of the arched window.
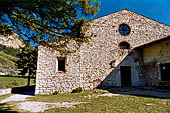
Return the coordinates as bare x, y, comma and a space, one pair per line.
124, 45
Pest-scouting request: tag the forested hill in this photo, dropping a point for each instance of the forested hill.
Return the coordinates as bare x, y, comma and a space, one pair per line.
7, 59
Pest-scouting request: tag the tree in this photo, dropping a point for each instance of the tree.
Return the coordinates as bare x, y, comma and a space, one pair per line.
53, 23
27, 61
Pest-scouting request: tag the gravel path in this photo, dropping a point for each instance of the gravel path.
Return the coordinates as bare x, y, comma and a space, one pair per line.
42, 106
16, 97
36, 106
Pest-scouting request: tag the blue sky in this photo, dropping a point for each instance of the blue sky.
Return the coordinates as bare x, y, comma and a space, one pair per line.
156, 9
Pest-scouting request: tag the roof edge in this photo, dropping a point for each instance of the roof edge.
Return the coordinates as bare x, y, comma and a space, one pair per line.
132, 12
152, 42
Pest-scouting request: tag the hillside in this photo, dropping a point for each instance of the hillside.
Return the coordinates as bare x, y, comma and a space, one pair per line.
7, 59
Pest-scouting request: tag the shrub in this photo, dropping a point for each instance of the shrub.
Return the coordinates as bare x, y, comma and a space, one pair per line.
34, 81
77, 90
55, 93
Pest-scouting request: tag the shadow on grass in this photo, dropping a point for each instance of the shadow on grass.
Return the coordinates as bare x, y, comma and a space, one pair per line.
139, 92
148, 96
6, 108
25, 90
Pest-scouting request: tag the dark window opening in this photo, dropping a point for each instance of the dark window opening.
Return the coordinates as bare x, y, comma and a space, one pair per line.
124, 45
165, 72
61, 64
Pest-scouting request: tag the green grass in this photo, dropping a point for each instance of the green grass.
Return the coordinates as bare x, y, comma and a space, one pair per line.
9, 82
115, 104
4, 96
7, 107
70, 97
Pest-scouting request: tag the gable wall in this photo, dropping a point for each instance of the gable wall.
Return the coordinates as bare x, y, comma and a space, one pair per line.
103, 49
90, 66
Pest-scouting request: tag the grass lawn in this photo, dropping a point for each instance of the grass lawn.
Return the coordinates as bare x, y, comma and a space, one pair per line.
114, 104
7, 107
9, 82
4, 96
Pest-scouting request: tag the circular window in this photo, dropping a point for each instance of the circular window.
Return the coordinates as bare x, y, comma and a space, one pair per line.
124, 29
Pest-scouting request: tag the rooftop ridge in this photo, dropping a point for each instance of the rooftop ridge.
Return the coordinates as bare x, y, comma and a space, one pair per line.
134, 13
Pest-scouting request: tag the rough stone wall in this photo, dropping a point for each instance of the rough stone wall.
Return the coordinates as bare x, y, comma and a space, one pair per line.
11, 41
153, 56
103, 49
90, 66
48, 80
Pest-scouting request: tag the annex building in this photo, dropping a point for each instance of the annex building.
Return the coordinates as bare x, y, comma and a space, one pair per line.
128, 49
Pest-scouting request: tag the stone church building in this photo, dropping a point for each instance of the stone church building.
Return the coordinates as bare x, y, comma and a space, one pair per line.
127, 49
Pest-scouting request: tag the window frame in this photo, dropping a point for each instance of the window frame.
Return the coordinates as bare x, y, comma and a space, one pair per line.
57, 65
125, 26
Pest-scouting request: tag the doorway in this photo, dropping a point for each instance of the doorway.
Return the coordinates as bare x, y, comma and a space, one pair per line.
165, 72
125, 72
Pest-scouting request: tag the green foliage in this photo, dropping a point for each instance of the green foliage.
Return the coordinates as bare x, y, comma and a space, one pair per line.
77, 90
34, 81
53, 25
27, 61
5, 29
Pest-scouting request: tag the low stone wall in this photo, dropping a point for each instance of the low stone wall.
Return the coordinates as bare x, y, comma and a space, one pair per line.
5, 91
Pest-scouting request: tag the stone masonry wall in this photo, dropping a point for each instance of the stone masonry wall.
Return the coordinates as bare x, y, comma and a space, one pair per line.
103, 49
90, 66
48, 81
152, 58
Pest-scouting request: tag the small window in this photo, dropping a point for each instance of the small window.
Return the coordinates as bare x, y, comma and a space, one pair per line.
124, 45
124, 29
61, 64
